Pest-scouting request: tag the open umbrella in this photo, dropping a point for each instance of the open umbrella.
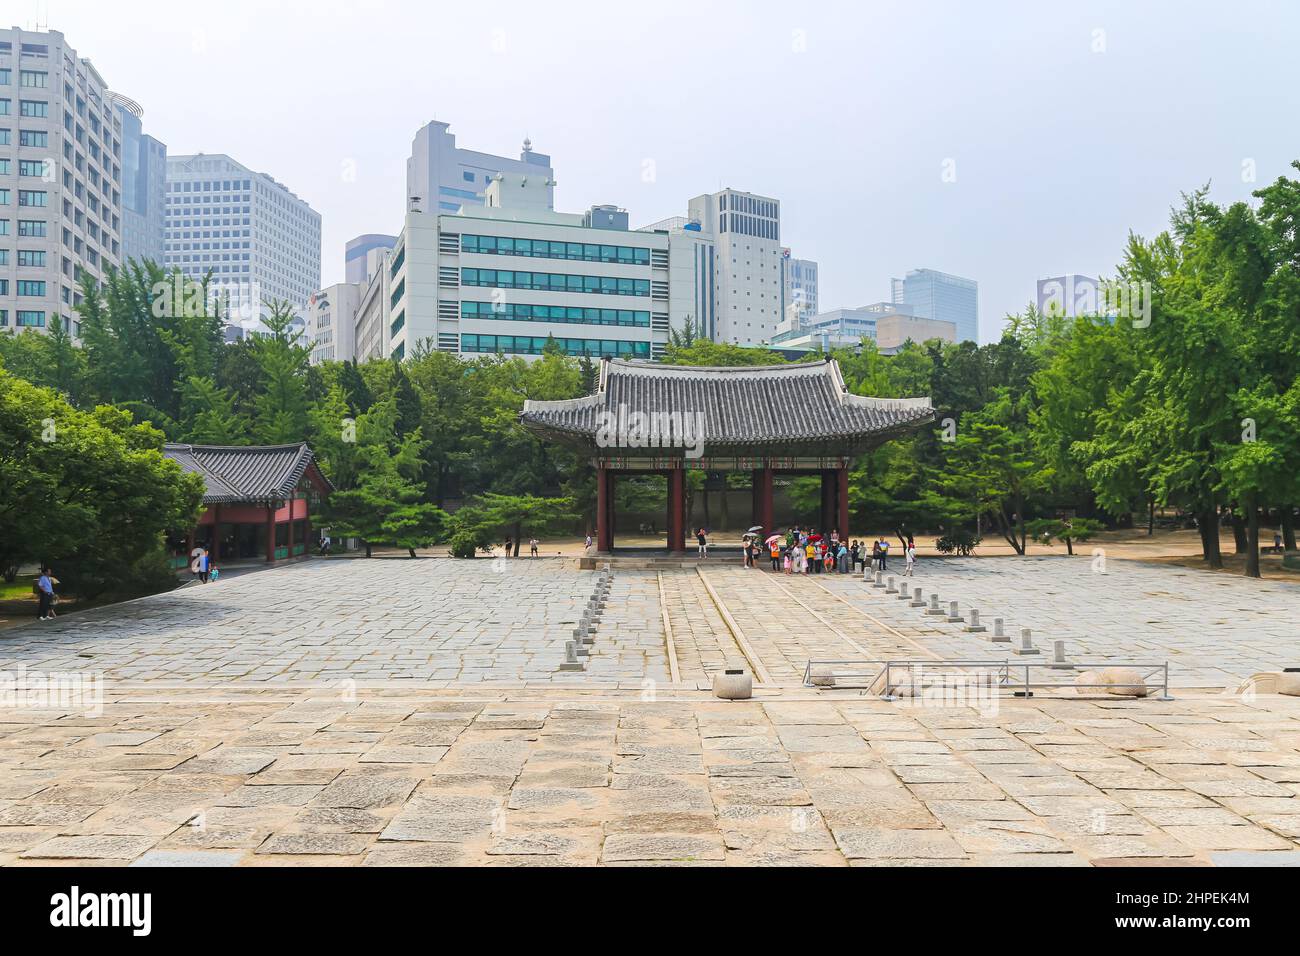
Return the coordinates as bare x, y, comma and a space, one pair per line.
755, 530
773, 539
814, 537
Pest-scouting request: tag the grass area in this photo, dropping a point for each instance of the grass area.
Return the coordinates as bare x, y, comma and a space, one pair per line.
21, 588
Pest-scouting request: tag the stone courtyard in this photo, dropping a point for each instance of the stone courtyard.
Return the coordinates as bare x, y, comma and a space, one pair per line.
415, 712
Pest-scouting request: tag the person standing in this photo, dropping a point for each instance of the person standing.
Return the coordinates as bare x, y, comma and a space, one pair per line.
532, 547
703, 541
884, 554
910, 555
205, 565
774, 547
587, 544
510, 543
45, 595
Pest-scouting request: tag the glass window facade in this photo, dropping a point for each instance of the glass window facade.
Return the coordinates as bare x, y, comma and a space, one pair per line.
543, 249
554, 282
536, 344
522, 312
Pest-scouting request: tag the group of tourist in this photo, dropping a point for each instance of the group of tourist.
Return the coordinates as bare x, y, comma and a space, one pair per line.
801, 551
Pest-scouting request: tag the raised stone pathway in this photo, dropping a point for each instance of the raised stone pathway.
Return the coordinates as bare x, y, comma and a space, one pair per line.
412, 712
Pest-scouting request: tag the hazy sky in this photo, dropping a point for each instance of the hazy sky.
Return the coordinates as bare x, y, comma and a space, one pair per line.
1066, 124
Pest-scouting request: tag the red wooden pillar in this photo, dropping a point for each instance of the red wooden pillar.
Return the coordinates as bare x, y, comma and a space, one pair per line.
306, 524
292, 504
604, 510
214, 553
677, 511
842, 502
270, 532
828, 502
764, 508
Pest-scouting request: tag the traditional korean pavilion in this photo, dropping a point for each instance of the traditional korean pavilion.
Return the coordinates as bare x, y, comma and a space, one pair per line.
799, 419
259, 498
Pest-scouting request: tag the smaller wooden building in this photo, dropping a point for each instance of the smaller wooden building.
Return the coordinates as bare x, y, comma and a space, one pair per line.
259, 499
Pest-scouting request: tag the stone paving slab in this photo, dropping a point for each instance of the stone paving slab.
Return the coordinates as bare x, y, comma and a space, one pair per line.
1214, 629
289, 718
529, 778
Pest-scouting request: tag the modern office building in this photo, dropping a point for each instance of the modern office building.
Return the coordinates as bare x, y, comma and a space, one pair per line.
748, 278
257, 239
60, 179
511, 274
888, 327
896, 329
441, 176
332, 321
728, 273
799, 283
364, 255
1069, 296
371, 335
144, 186
692, 274
947, 298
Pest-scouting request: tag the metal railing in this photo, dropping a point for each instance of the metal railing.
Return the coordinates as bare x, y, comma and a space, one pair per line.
1017, 677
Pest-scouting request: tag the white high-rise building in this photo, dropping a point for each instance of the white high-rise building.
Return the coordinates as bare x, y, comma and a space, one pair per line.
512, 275
692, 272
60, 179
441, 176
728, 274
257, 239
331, 322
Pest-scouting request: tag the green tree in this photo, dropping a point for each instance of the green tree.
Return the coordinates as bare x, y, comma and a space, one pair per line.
475, 527
385, 505
209, 416
88, 492
281, 405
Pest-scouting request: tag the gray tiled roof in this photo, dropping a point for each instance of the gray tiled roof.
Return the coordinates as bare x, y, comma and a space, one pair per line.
795, 405
252, 473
